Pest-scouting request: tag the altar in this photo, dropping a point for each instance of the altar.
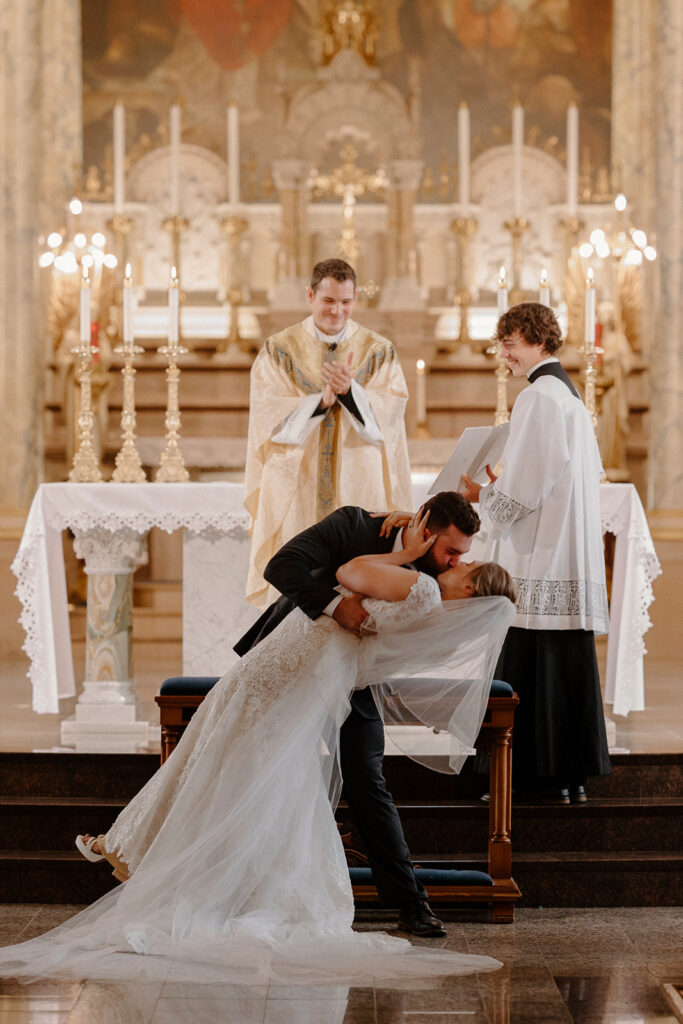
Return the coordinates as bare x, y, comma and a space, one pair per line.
110, 523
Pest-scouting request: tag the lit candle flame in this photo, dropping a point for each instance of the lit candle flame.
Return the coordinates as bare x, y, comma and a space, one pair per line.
589, 278
501, 278
544, 278
128, 273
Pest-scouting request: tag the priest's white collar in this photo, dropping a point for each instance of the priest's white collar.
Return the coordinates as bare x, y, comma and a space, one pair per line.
349, 328
543, 362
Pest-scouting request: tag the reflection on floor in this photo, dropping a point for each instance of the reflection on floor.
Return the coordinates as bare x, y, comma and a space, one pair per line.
560, 966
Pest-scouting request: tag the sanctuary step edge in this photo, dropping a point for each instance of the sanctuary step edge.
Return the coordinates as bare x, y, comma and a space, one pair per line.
622, 848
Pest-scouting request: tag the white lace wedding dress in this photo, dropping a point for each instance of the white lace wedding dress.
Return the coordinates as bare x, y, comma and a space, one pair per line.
237, 868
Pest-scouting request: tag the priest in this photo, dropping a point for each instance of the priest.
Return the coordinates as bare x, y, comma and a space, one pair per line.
326, 423
541, 521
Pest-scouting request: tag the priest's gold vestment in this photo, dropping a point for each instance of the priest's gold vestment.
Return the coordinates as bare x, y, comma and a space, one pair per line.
288, 487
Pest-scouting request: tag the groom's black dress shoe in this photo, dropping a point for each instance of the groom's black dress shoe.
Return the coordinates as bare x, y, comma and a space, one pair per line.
417, 918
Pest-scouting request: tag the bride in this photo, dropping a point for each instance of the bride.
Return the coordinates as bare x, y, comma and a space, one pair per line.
235, 868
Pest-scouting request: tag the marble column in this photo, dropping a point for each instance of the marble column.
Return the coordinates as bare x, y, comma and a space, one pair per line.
665, 483
401, 289
40, 144
291, 179
106, 718
633, 139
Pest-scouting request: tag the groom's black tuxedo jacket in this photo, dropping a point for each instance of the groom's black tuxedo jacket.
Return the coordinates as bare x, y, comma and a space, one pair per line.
304, 571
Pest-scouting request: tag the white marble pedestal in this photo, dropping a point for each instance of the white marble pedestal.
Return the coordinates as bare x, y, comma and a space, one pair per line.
107, 712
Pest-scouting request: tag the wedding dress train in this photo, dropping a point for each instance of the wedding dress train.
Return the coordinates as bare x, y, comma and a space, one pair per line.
237, 870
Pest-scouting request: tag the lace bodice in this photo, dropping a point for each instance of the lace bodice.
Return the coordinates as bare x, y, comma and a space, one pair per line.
390, 615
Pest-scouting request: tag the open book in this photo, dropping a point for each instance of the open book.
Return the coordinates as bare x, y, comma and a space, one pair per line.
477, 448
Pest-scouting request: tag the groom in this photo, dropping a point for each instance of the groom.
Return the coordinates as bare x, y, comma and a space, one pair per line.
304, 571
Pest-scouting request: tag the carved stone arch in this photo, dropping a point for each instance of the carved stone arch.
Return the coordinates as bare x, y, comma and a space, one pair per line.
350, 96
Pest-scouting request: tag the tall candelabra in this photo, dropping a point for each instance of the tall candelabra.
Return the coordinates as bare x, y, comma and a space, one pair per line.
464, 229
122, 226
86, 466
570, 227
172, 464
502, 374
175, 226
128, 466
234, 228
516, 226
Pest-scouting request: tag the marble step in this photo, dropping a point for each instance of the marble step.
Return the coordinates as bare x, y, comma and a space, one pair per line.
47, 822
597, 826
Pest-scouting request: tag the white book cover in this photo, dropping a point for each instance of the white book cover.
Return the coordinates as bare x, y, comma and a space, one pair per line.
477, 448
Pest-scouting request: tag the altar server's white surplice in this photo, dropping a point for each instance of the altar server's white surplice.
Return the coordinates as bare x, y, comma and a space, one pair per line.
541, 518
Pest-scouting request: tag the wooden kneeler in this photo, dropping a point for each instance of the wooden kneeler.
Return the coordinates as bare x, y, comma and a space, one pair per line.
181, 696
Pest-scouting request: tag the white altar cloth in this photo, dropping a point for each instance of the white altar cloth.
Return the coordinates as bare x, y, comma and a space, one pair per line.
39, 563
41, 588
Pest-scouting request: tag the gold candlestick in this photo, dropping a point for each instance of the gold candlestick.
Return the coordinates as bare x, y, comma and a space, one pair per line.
464, 228
128, 466
570, 226
234, 228
175, 227
122, 226
516, 226
172, 464
86, 467
502, 374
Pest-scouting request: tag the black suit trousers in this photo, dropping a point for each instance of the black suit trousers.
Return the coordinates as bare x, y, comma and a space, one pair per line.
304, 572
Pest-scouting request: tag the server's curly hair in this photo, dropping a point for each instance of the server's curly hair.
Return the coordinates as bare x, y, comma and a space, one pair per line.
536, 323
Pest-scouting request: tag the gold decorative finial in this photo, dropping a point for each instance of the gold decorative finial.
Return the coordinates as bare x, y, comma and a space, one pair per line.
349, 25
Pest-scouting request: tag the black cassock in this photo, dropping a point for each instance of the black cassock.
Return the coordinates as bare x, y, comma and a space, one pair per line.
304, 571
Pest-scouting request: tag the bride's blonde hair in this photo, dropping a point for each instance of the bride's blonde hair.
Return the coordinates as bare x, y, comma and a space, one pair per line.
491, 580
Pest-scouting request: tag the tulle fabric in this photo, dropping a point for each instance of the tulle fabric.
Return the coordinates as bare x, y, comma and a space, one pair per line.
238, 870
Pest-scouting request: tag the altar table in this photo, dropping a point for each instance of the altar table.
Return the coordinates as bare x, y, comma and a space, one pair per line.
109, 520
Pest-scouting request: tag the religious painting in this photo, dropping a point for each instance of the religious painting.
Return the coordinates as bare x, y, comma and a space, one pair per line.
204, 54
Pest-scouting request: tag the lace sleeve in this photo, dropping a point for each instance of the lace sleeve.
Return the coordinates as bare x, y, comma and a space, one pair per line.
391, 615
502, 509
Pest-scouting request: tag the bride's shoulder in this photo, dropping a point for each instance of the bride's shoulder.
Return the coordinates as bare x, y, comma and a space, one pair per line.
425, 588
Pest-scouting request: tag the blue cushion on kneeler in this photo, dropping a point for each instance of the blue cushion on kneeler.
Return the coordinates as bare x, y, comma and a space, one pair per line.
184, 685
195, 685
429, 876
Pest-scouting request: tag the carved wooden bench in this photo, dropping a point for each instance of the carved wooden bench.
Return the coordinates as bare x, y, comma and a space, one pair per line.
181, 696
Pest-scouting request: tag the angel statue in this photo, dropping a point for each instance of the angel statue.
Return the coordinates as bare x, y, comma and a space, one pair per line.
618, 324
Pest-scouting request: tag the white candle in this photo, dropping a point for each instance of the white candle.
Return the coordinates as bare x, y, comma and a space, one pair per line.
572, 158
173, 309
517, 145
463, 154
502, 292
589, 329
421, 392
85, 308
233, 155
175, 160
119, 157
128, 306
544, 288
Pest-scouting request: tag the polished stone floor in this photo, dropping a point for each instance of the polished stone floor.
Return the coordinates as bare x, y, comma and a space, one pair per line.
560, 966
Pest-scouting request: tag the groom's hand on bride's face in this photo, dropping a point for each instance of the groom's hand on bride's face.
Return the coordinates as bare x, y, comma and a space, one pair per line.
350, 613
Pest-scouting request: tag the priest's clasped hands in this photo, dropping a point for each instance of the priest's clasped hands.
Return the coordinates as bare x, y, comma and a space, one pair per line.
337, 379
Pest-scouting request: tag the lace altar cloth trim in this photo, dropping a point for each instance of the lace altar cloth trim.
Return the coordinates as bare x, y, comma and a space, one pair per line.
110, 507
561, 597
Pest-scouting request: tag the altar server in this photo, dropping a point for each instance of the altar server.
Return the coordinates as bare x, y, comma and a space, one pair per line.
326, 423
541, 521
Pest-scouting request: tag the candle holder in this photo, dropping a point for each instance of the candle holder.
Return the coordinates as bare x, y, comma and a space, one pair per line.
591, 355
502, 374
128, 465
172, 464
234, 228
175, 226
86, 466
516, 226
122, 227
570, 227
464, 229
